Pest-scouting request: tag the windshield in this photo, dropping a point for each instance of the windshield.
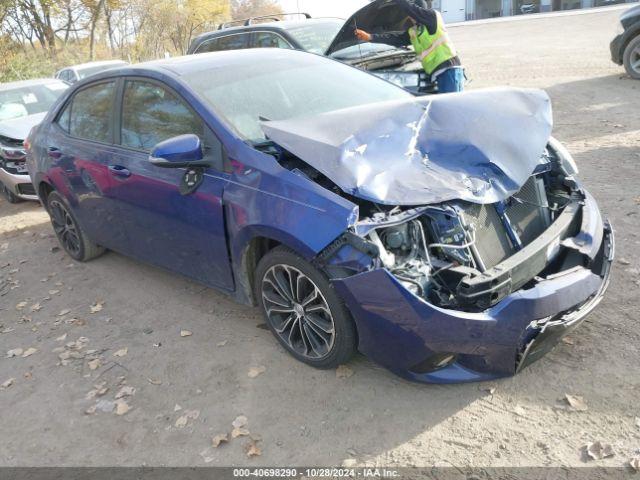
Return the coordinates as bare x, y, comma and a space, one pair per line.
279, 87
29, 100
316, 37
86, 72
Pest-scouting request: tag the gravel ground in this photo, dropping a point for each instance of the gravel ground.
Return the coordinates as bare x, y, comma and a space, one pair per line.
189, 389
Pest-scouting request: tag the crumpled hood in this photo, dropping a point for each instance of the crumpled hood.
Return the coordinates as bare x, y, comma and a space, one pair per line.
480, 146
19, 128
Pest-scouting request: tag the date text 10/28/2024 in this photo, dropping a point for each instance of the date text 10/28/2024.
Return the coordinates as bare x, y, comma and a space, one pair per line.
315, 473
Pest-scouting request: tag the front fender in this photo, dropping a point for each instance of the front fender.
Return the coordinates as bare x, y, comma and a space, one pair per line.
281, 205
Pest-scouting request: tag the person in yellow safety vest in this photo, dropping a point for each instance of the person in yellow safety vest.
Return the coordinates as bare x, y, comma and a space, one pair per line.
427, 33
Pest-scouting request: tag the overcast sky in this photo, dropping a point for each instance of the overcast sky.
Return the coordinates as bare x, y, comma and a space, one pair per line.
324, 8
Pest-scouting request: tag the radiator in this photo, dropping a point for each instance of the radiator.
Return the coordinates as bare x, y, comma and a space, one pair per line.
492, 242
527, 212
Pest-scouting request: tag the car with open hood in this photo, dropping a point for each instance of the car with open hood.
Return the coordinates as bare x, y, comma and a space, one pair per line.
332, 37
446, 237
23, 104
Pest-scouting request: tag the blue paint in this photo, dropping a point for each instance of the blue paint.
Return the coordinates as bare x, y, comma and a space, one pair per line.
180, 149
129, 205
399, 330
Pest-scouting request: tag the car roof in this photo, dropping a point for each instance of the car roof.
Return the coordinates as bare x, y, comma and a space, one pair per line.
188, 64
103, 63
27, 83
276, 25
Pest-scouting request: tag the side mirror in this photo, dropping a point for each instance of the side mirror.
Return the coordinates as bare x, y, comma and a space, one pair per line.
183, 151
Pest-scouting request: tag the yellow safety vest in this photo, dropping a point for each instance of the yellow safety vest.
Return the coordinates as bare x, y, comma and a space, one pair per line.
435, 49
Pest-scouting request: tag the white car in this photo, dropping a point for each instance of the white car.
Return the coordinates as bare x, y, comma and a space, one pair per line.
78, 72
23, 105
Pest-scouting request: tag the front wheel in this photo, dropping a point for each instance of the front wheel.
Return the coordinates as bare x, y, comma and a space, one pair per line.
69, 232
303, 310
631, 58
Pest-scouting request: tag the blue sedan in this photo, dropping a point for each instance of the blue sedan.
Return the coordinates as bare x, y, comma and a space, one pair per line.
447, 238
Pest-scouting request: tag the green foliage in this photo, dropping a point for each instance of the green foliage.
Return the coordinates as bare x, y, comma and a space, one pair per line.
38, 37
17, 63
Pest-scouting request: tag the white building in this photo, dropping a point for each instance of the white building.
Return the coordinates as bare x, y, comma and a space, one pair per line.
461, 10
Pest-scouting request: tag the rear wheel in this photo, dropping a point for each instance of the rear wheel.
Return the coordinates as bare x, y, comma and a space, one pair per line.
303, 310
631, 58
8, 194
69, 232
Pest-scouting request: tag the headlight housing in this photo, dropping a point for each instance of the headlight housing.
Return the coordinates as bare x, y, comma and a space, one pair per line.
565, 158
401, 79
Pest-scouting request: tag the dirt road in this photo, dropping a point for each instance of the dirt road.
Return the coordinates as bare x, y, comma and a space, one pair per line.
190, 388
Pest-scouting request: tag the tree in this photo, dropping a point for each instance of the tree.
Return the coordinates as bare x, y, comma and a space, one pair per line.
26, 19
241, 9
170, 26
95, 8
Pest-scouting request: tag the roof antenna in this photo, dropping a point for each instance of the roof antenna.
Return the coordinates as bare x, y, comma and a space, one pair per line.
355, 24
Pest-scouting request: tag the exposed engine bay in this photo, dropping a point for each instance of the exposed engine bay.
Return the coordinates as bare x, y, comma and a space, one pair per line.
443, 253
452, 254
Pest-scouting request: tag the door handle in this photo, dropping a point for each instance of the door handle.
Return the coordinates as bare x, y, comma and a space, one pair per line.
54, 152
119, 171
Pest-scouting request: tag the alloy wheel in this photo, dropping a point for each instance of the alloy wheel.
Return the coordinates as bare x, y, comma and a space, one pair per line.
298, 312
65, 227
634, 60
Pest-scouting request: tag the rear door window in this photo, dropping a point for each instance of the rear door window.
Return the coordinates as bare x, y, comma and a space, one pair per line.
90, 113
236, 41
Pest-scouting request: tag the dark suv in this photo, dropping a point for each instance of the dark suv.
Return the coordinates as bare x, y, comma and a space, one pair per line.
331, 37
625, 48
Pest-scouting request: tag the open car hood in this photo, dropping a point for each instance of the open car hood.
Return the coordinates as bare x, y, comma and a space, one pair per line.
377, 17
480, 146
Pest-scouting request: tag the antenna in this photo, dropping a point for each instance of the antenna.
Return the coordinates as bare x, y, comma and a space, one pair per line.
355, 24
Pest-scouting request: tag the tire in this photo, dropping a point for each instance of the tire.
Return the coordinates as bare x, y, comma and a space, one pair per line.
8, 195
72, 238
311, 323
631, 58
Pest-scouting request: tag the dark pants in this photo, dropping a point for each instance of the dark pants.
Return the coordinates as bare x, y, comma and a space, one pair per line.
451, 80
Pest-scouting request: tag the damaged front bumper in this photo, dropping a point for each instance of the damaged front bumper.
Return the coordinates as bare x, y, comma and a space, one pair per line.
426, 343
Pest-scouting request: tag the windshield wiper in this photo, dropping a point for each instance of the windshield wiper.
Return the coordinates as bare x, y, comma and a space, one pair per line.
267, 146
262, 143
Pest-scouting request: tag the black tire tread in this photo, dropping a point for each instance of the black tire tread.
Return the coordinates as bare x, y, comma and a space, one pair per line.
89, 249
626, 57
